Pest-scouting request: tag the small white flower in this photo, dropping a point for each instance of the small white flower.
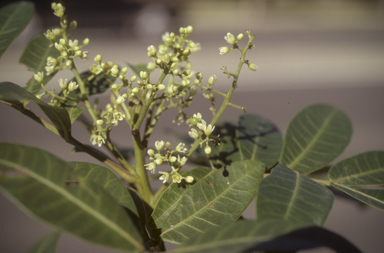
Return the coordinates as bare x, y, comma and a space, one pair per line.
181, 161
99, 140
224, 50
118, 116
63, 83
230, 39
84, 55
96, 69
151, 50
209, 129
194, 134
72, 86
151, 166
39, 76
177, 178
202, 125
59, 47
159, 145
51, 61
197, 116
181, 148
120, 100
164, 177
73, 43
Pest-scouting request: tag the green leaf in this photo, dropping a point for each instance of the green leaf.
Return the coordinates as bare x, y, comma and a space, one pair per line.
372, 197
35, 58
269, 235
287, 195
227, 152
13, 19
315, 137
139, 67
363, 169
46, 245
258, 139
106, 179
217, 199
48, 188
17, 97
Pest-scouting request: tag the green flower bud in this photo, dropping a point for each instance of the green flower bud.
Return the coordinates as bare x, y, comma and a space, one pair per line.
149, 86
114, 86
72, 86
151, 66
252, 66
133, 78
151, 51
62, 42
78, 53
185, 82
98, 58
199, 76
99, 122
120, 100
212, 80
85, 41
207, 149
159, 161
175, 72
224, 50
240, 37
189, 179
135, 90
124, 70
172, 159
73, 24
151, 152
68, 63
63, 83
189, 29
143, 75
39, 77
161, 86
193, 90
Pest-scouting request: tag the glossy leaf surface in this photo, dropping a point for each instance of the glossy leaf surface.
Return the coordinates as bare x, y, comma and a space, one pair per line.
315, 137
287, 195
219, 198
35, 58
48, 188
258, 139
267, 235
17, 97
46, 245
13, 19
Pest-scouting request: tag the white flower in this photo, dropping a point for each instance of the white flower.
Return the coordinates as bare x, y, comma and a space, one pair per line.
151, 166
197, 116
159, 145
96, 69
51, 61
224, 50
202, 125
73, 43
181, 148
120, 100
99, 140
230, 39
194, 134
177, 178
72, 86
151, 51
118, 116
63, 83
84, 55
181, 161
39, 76
164, 177
58, 10
209, 129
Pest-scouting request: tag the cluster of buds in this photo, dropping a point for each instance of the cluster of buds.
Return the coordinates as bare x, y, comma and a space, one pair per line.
68, 49
163, 155
201, 131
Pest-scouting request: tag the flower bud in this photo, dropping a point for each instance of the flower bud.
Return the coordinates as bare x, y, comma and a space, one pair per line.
199, 76
135, 90
240, 37
207, 149
63, 83
151, 66
98, 58
85, 41
151, 50
120, 100
230, 39
68, 63
133, 78
212, 80
252, 66
149, 86
124, 70
159, 161
175, 72
172, 159
73, 24
185, 82
189, 179
159, 145
161, 87
59, 47
189, 29
143, 75
193, 90
50, 35
151, 152
99, 122
62, 42
224, 50
39, 77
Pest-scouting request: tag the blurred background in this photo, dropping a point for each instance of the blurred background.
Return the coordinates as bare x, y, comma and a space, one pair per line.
319, 51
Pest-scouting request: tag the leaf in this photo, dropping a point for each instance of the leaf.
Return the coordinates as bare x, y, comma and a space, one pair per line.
258, 139
15, 96
97, 85
227, 152
217, 199
372, 197
48, 188
35, 58
267, 235
106, 179
13, 19
315, 137
287, 195
139, 67
46, 245
363, 169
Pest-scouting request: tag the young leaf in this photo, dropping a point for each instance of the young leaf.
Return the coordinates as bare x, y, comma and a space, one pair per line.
363, 169
267, 235
287, 195
227, 152
315, 137
17, 97
35, 58
48, 188
46, 245
13, 19
258, 139
217, 199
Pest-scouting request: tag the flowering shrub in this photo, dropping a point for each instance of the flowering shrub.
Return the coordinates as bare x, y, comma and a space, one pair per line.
199, 209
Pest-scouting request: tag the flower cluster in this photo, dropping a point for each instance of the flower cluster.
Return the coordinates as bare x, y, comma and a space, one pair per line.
202, 130
164, 155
